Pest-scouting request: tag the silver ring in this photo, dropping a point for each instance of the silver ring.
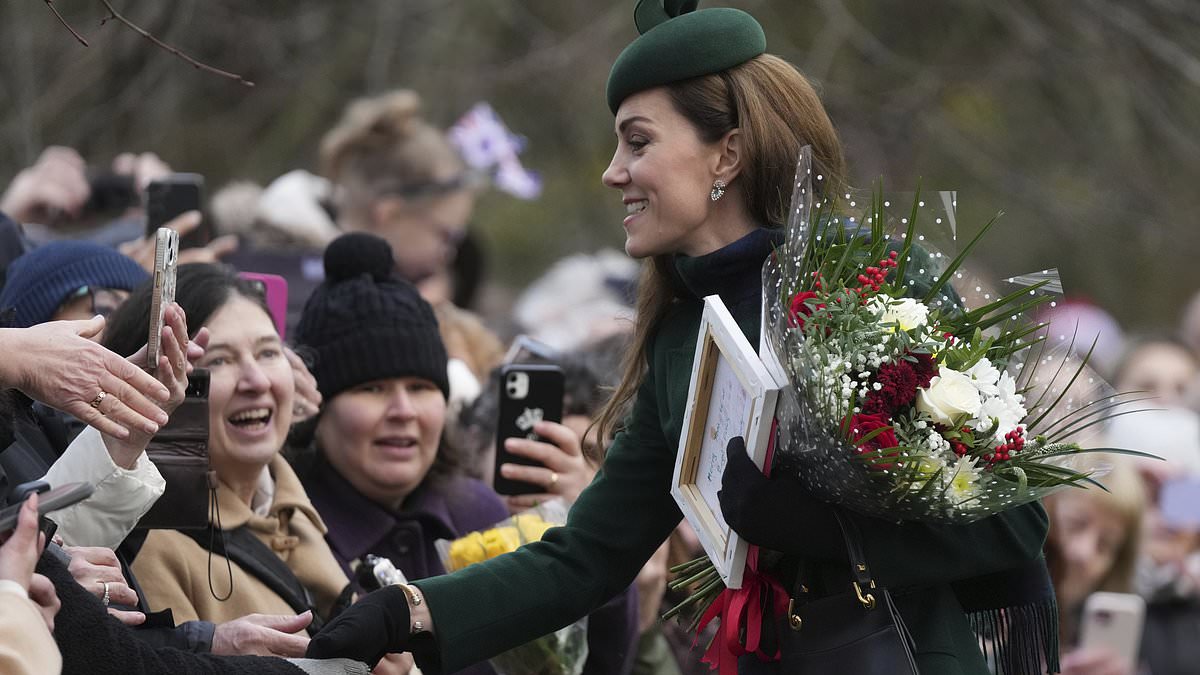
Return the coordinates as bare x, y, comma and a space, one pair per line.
105, 599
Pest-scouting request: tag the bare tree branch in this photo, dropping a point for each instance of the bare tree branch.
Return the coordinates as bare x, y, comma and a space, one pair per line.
50, 4
116, 16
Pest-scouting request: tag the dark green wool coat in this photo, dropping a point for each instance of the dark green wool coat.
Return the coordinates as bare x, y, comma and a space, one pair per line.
628, 511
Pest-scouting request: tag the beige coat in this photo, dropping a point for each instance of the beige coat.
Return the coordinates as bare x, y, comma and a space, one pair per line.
26, 647
174, 571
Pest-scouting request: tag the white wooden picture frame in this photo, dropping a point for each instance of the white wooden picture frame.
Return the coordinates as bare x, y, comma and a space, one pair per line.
731, 394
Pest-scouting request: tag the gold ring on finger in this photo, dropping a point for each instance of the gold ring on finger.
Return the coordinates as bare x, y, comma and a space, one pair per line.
553, 478
99, 399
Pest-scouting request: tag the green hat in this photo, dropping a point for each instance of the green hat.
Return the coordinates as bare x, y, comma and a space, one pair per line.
678, 43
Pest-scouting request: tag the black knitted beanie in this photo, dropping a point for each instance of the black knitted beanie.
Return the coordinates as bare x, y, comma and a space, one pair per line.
363, 323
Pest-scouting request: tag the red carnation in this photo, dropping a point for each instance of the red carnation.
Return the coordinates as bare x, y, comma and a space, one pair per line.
925, 368
899, 382
800, 309
863, 424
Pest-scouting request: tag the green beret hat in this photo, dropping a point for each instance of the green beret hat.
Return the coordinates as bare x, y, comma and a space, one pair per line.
678, 43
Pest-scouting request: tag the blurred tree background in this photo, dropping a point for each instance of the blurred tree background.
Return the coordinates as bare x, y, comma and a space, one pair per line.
1080, 120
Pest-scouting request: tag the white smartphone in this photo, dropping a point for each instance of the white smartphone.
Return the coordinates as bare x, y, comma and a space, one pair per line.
1114, 621
166, 257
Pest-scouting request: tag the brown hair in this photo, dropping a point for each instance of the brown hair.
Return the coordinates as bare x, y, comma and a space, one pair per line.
382, 145
777, 112
1125, 497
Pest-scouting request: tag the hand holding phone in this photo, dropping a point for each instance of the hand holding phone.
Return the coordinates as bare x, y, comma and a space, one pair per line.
1114, 621
166, 259
51, 500
528, 394
172, 196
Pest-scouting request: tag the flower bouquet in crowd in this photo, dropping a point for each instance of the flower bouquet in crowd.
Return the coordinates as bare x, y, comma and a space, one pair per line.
912, 390
562, 652
917, 392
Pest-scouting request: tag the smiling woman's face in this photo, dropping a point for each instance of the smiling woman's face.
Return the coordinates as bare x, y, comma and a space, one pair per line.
250, 389
383, 436
664, 171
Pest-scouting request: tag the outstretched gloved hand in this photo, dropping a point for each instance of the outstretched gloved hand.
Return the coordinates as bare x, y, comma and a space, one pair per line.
367, 630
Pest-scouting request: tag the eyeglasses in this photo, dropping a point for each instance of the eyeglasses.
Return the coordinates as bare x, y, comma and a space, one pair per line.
102, 301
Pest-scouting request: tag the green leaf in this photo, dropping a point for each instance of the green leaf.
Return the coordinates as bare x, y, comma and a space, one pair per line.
957, 262
906, 248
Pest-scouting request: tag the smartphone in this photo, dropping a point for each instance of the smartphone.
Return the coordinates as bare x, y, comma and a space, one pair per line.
172, 196
275, 290
48, 501
166, 259
180, 452
528, 394
1180, 503
1114, 621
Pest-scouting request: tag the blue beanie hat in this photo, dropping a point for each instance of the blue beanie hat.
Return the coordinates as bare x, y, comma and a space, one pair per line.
41, 280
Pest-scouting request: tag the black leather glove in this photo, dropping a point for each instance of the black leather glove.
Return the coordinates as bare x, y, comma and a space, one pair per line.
379, 623
774, 513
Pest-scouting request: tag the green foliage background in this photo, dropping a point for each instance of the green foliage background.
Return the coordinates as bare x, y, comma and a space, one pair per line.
1078, 119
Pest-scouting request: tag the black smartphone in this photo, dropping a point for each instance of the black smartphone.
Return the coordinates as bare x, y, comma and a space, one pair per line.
180, 451
528, 394
51, 500
172, 196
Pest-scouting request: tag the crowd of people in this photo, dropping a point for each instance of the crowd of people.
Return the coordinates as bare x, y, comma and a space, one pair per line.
357, 421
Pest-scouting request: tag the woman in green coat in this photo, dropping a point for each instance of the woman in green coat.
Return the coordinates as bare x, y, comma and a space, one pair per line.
708, 130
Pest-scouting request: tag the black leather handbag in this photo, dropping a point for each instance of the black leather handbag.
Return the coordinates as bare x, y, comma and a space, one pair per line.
180, 451
856, 632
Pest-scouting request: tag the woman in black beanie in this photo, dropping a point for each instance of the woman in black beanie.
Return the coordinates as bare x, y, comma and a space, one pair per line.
372, 461
375, 466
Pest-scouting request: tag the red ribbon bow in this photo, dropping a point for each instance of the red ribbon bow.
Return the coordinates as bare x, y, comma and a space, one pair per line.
743, 607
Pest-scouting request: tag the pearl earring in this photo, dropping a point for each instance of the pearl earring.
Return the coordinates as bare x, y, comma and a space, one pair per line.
718, 190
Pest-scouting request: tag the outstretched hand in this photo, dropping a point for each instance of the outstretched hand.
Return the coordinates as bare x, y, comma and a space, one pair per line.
263, 635
61, 366
142, 250
367, 630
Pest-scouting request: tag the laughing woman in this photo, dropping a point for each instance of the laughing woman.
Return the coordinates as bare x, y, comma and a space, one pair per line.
708, 129
278, 561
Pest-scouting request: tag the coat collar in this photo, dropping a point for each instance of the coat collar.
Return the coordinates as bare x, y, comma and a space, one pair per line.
289, 497
733, 271
359, 523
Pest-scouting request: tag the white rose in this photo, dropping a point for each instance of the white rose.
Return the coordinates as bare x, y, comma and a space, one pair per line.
950, 395
904, 312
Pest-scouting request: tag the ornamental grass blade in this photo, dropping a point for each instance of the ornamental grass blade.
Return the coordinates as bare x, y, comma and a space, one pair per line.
957, 262
906, 248
1074, 377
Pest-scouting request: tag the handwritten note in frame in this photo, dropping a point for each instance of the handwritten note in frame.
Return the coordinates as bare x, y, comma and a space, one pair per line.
731, 394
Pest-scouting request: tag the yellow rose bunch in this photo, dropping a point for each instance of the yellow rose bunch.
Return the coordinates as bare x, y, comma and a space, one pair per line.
504, 538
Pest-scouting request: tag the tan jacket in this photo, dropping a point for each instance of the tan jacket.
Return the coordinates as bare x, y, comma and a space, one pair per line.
26, 647
174, 571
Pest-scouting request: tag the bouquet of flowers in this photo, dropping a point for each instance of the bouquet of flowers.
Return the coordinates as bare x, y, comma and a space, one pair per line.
905, 401
560, 653
915, 392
